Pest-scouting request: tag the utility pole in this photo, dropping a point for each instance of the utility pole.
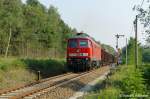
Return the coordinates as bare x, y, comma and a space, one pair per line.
117, 37
136, 48
126, 51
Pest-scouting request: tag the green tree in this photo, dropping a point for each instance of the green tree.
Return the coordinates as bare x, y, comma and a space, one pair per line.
131, 52
34, 20
144, 17
11, 21
30, 27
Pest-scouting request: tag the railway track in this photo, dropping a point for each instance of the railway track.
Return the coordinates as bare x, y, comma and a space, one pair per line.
35, 89
29, 84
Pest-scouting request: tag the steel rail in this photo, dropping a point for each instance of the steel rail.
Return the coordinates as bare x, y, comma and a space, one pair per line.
9, 90
52, 87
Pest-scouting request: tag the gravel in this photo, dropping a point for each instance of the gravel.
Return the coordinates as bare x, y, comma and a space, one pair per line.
68, 90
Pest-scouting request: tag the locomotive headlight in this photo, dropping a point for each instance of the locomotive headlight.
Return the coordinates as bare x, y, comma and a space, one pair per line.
73, 54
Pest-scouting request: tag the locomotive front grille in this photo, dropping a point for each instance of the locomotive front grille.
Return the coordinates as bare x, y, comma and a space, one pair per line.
72, 61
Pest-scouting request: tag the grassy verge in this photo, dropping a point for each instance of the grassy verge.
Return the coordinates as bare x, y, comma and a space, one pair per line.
19, 71
126, 82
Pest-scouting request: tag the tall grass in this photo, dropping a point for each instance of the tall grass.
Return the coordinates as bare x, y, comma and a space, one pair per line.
129, 80
19, 71
14, 72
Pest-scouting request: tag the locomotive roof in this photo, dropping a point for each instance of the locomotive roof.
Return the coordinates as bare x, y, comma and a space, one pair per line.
82, 35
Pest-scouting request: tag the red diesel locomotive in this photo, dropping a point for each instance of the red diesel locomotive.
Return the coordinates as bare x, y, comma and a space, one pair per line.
84, 53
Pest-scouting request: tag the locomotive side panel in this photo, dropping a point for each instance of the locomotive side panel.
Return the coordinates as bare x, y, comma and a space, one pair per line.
96, 54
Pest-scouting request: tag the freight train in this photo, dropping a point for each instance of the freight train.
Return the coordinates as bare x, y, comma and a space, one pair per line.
84, 53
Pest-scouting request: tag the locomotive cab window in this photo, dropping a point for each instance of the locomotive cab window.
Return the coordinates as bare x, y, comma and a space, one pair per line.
73, 43
83, 43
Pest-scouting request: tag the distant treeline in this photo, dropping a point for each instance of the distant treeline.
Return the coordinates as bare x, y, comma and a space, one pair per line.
143, 53
32, 30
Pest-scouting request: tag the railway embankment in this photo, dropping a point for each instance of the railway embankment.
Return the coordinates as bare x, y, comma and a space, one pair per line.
21, 71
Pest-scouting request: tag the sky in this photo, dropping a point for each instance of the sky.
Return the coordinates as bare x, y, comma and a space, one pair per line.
101, 19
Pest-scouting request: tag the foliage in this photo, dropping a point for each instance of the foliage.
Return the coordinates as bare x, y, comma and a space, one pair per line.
108, 93
47, 67
145, 55
131, 53
34, 28
146, 74
126, 81
144, 17
129, 80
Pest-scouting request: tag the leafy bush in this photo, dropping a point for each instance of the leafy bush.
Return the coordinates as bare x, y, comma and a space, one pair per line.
125, 81
47, 67
146, 75
129, 80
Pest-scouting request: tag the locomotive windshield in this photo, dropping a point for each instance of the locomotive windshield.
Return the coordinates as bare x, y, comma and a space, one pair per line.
73, 43
83, 43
